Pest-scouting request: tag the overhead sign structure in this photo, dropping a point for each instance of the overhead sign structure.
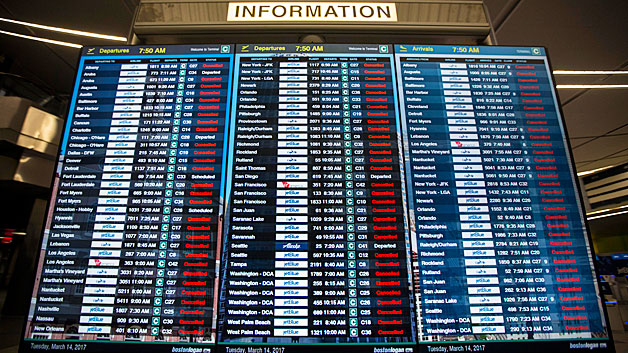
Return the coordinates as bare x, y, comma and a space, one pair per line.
312, 11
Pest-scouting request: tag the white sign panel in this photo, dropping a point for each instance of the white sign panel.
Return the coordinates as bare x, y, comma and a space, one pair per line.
312, 11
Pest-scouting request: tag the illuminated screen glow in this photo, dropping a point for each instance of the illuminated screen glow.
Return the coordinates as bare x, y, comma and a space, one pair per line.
274, 198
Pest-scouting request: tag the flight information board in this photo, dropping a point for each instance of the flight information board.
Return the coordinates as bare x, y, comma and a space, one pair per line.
130, 242
500, 243
272, 198
315, 247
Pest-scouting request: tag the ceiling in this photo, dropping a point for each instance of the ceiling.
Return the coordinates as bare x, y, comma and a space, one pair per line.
579, 34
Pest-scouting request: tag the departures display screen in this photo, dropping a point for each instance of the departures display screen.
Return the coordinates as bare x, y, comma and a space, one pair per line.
271, 198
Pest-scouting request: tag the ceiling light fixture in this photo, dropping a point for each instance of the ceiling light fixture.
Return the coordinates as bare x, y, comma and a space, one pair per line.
591, 86
45, 40
589, 72
606, 210
594, 170
65, 30
606, 215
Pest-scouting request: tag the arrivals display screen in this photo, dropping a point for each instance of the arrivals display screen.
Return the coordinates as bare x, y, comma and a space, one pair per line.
273, 198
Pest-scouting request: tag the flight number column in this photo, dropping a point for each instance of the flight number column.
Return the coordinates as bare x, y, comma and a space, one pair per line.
506, 169
329, 267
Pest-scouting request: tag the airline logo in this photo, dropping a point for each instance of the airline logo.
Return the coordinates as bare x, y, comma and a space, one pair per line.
468, 167
106, 244
129, 94
109, 217
104, 263
95, 329
132, 80
475, 217
457, 86
482, 280
122, 137
110, 209
292, 121
292, 193
292, 160
95, 319
461, 121
292, 136
488, 329
121, 144
292, 201
290, 236
292, 152
470, 183
289, 311
477, 226
479, 252
112, 152
292, 128
127, 108
101, 281
485, 300
456, 93
481, 271
473, 208
125, 122
292, 219
291, 228
466, 152
292, 98
291, 283
483, 290
486, 309
291, 264
98, 300
293, 113
292, 85
292, 78
477, 235
132, 73
463, 129
290, 332
292, 184
487, 319
104, 253
108, 226
291, 302
292, 64
96, 310
291, 255
292, 210
100, 290
460, 144
473, 200
480, 262
292, 274
290, 322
